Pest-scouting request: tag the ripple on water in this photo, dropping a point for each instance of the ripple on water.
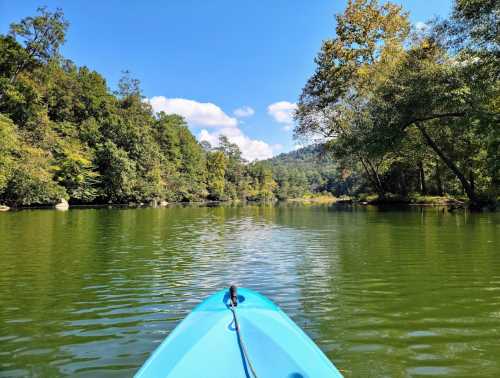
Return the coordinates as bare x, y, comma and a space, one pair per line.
393, 293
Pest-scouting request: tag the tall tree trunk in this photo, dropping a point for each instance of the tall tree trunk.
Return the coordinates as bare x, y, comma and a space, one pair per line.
31, 53
471, 181
19, 68
469, 189
372, 177
378, 182
423, 187
439, 182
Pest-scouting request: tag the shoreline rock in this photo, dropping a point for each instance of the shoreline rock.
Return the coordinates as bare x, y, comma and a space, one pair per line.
63, 205
4, 208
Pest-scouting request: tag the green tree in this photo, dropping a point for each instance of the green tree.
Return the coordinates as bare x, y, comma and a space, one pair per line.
374, 85
235, 172
437, 94
118, 172
9, 151
193, 167
216, 170
32, 182
369, 38
75, 171
477, 21
263, 184
41, 35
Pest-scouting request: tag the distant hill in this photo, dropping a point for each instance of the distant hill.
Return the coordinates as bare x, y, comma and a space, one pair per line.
308, 170
314, 153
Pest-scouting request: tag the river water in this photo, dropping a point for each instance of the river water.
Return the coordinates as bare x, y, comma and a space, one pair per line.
385, 293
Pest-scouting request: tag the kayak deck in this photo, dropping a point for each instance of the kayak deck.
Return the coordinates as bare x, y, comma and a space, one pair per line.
205, 343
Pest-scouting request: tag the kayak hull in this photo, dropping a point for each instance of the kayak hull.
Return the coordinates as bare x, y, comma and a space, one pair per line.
205, 343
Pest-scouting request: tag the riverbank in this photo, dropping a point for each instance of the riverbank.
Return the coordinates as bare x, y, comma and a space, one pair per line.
374, 199
361, 199
410, 199
322, 198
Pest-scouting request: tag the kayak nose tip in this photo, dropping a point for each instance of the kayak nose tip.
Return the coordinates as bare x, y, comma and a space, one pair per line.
232, 297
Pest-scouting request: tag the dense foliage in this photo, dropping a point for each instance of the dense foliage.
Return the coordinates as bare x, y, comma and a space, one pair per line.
411, 110
64, 134
399, 111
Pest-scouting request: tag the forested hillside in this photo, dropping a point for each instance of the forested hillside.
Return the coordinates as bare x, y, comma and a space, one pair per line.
65, 135
311, 170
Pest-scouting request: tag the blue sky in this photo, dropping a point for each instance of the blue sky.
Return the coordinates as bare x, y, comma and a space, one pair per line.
207, 58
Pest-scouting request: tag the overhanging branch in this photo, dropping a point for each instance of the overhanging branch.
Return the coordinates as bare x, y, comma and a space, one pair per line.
433, 116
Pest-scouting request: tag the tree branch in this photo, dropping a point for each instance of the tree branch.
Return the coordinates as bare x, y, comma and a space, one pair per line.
469, 189
433, 116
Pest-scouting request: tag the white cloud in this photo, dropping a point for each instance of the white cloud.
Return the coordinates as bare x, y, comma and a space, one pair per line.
251, 149
195, 113
283, 112
421, 26
244, 111
209, 115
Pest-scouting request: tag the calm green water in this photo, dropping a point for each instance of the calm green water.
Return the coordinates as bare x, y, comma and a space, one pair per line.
406, 293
